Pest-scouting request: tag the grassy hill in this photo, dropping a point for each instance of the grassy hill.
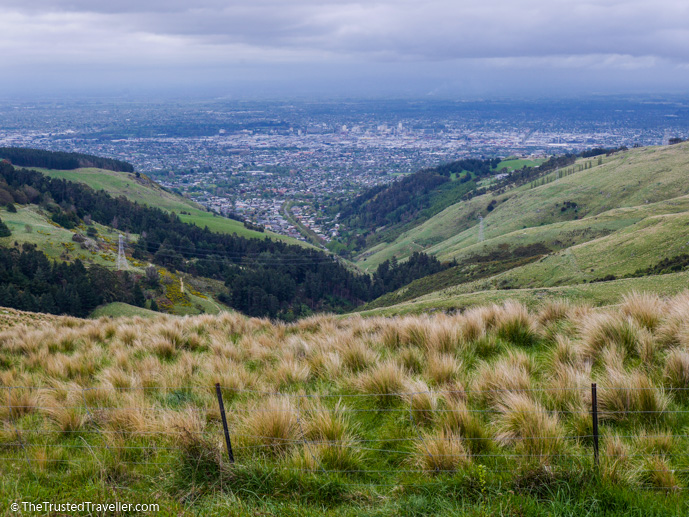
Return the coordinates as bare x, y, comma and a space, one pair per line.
146, 191
598, 221
30, 224
482, 413
627, 179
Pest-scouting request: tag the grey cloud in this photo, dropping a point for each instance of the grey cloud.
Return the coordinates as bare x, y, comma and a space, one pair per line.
433, 37
401, 29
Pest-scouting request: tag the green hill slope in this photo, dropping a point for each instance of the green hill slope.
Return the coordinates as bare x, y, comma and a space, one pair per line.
608, 221
31, 224
144, 190
628, 179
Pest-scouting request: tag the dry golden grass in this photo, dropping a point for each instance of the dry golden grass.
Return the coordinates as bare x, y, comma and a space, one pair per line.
553, 311
384, 380
492, 380
645, 308
621, 393
441, 452
603, 330
272, 424
528, 425
442, 368
495, 378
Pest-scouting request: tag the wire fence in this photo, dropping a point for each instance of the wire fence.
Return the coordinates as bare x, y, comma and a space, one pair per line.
366, 439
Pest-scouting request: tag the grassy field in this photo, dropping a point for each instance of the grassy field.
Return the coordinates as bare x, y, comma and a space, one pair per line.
145, 191
481, 413
120, 310
517, 163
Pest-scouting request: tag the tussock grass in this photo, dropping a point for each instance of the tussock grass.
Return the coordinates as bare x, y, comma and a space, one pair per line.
357, 356
422, 401
386, 379
645, 308
676, 372
515, 325
528, 425
601, 330
273, 424
622, 393
493, 381
456, 419
442, 368
441, 452
616, 461
553, 311
570, 387
657, 473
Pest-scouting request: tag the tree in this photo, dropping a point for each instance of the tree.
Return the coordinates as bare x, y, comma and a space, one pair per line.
152, 276
138, 296
4, 230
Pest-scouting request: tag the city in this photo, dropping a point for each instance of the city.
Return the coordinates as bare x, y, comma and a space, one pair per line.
275, 164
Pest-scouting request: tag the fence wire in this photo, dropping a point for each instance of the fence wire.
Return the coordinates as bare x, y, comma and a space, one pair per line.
101, 429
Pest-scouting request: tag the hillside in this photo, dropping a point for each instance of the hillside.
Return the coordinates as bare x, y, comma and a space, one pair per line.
380, 214
488, 412
595, 221
55, 228
119, 179
143, 190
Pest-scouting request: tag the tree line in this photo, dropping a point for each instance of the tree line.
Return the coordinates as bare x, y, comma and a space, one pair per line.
24, 157
29, 281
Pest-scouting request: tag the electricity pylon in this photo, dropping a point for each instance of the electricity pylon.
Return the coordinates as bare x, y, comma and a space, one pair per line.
121, 257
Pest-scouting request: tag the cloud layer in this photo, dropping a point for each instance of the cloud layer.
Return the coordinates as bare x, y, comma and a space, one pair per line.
174, 34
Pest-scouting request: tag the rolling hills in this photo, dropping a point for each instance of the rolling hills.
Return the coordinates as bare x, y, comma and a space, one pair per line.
598, 221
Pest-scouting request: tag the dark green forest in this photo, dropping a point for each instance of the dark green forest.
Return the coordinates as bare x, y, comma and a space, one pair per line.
60, 160
29, 281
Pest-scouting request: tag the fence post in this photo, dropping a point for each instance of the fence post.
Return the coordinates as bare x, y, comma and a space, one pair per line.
594, 413
224, 422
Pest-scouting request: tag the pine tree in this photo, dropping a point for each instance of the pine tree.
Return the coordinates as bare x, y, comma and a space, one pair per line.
138, 296
4, 230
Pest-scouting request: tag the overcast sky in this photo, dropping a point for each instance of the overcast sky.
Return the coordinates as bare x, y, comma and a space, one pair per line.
372, 47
